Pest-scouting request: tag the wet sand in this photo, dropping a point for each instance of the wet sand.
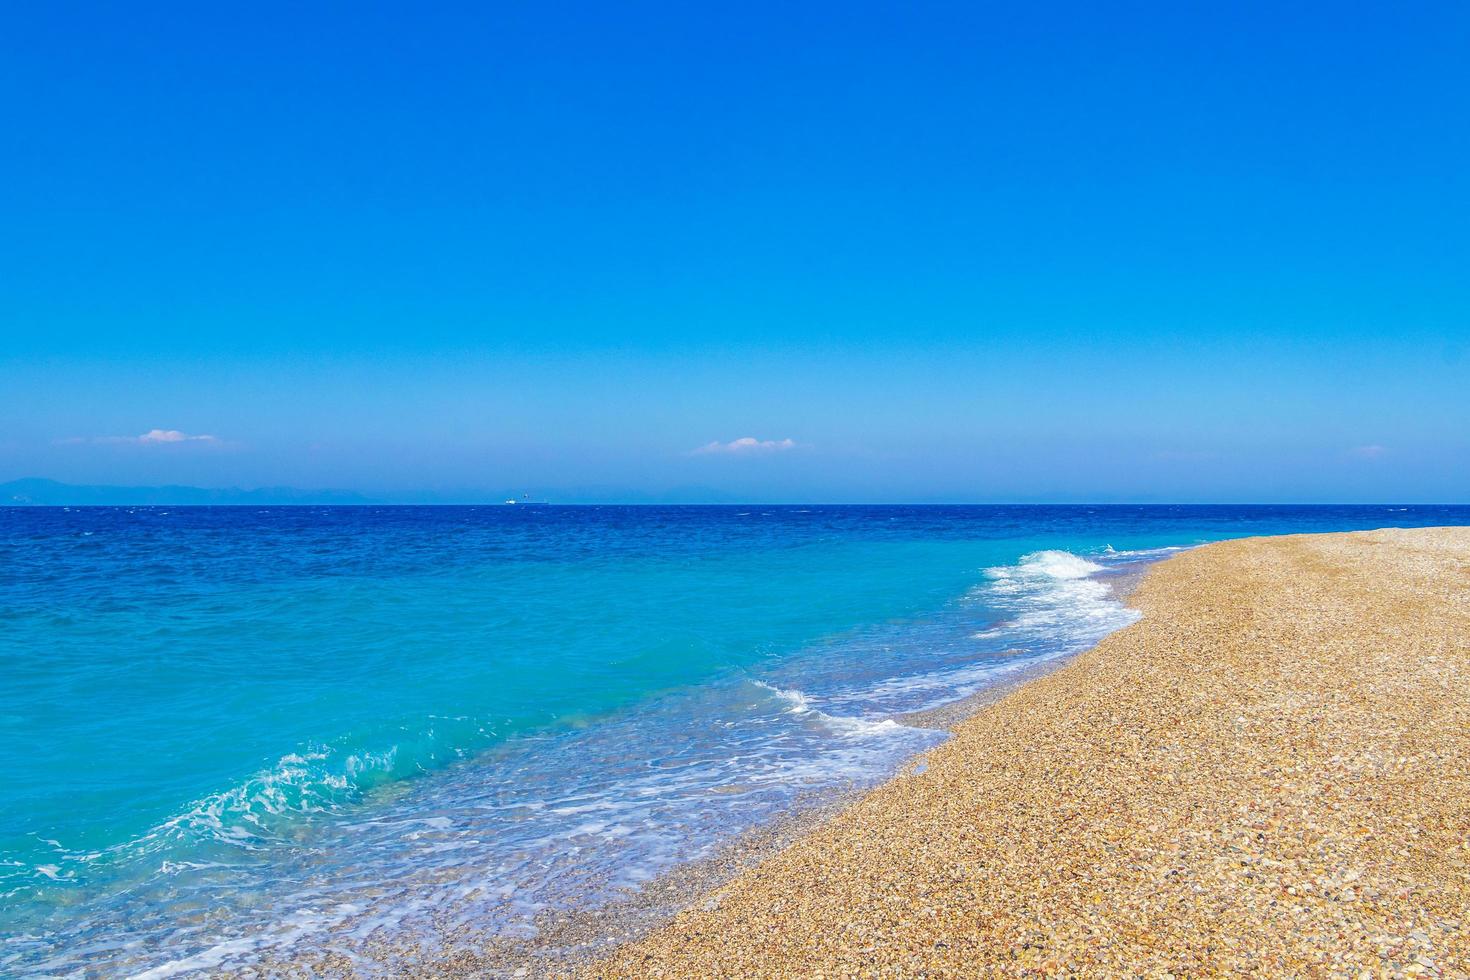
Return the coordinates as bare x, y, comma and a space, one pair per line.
1269, 774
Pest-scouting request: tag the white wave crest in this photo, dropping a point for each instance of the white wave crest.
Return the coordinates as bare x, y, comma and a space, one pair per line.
1140, 554
800, 704
1047, 564
1053, 601
798, 701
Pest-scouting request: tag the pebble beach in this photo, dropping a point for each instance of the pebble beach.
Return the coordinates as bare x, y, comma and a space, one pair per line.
1268, 774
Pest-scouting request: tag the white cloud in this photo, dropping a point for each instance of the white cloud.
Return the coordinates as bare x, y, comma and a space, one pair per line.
152, 437
746, 446
1368, 452
172, 435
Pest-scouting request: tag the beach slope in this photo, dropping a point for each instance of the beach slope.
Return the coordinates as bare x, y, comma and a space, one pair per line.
1269, 774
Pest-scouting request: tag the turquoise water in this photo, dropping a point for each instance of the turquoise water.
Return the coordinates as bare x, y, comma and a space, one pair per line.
229, 730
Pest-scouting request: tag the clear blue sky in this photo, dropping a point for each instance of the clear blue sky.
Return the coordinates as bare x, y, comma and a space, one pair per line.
968, 252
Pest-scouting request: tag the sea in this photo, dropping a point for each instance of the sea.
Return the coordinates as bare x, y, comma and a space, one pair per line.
231, 734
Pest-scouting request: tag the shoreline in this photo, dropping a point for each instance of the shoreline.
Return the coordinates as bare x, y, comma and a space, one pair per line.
574, 940
1118, 817
570, 940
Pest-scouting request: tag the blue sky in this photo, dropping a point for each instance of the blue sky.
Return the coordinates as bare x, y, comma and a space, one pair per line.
963, 252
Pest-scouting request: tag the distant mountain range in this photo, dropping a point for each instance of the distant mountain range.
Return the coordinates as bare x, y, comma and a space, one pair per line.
50, 493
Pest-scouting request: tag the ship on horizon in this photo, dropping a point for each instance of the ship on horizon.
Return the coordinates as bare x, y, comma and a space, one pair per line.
525, 501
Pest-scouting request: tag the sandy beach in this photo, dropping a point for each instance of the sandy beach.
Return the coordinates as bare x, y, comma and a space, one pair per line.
1269, 774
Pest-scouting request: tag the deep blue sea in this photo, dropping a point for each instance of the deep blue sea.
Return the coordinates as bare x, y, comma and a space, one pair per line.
229, 732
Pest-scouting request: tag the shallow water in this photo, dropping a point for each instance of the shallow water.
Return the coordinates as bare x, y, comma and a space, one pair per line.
229, 731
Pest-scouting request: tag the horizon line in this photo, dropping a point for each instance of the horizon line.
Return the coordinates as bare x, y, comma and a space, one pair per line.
536, 505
